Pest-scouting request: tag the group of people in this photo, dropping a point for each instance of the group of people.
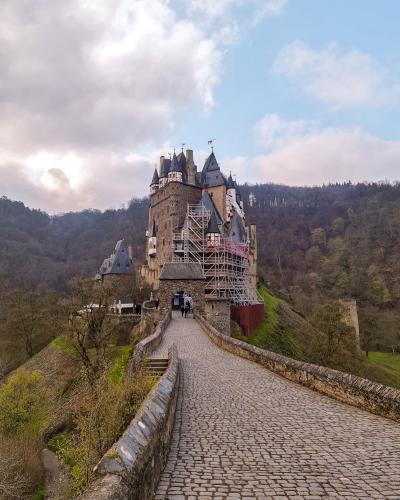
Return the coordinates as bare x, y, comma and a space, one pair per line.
186, 308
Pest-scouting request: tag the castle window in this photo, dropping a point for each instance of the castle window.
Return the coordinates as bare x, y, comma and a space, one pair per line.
167, 209
163, 243
122, 250
162, 212
165, 225
158, 215
169, 223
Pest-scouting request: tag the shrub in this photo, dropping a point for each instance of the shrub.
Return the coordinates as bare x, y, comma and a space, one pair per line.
20, 467
22, 404
101, 416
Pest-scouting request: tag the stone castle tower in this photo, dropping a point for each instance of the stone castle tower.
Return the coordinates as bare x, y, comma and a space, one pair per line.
178, 190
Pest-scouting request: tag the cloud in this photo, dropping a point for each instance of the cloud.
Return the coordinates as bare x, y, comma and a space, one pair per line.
253, 11
84, 84
334, 78
272, 130
303, 154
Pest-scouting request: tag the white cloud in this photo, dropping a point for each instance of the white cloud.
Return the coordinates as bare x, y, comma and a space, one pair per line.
272, 130
303, 154
335, 78
84, 84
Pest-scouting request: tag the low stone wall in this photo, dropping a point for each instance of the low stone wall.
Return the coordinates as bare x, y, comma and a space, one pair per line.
131, 469
150, 343
375, 398
217, 312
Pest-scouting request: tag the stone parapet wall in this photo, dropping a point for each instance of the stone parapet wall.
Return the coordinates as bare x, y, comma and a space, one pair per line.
131, 469
149, 344
375, 398
217, 312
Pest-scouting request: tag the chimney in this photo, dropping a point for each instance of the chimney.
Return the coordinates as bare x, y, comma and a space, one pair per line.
161, 162
129, 248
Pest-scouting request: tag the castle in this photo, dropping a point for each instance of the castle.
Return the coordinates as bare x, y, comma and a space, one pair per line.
198, 216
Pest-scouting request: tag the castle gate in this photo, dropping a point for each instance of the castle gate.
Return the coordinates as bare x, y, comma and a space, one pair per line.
176, 277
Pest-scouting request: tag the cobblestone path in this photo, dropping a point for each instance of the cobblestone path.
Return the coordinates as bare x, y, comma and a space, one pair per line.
244, 432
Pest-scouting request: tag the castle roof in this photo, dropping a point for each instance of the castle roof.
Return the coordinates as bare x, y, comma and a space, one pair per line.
231, 185
208, 204
155, 180
182, 160
213, 225
165, 167
181, 271
119, 261
237, 232
175, 165
211, 167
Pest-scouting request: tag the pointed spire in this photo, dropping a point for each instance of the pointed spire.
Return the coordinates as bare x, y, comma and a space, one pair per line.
213, 225
175, 167
230, 182
155, 180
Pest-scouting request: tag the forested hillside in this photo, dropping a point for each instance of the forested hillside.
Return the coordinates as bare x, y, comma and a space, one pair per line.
40, 252
335, 242
314, 243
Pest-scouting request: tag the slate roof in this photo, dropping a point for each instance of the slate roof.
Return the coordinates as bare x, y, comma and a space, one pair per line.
198, 179
215, 177
213, 225
182, 160
208, 204
153, 230
230, 182
155, 180
119, 262
175, 167
237, 232
165, 167
182, 271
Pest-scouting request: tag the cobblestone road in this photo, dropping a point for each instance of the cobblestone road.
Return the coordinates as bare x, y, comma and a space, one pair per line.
244, 432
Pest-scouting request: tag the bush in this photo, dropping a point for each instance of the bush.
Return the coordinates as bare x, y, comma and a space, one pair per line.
101, 416
20, 467
22, 404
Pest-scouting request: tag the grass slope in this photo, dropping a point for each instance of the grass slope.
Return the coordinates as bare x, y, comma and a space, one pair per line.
384, 368
279, 331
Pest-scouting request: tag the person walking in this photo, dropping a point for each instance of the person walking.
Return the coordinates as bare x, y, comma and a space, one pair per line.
156, 303
186, 309
182, 309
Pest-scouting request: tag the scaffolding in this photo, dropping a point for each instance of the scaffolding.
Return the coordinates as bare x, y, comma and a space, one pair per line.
226, 264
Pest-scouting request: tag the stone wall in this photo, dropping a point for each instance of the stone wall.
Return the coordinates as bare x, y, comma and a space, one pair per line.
149, 344
376, 398
131, 469
194, 287
217, 312
149, 314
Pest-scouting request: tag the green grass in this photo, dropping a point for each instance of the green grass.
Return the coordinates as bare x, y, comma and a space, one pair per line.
61, 343
274, 333
40, 489
383, 368
116, 375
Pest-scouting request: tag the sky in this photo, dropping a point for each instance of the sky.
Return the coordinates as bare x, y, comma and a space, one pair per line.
93, 92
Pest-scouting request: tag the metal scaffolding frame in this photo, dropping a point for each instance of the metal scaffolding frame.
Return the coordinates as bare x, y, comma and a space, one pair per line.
225, 264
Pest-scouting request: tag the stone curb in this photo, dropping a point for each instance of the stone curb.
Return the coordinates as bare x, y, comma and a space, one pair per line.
131, 468
375, 398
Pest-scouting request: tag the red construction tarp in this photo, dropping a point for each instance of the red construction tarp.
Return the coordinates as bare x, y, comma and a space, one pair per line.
248, 317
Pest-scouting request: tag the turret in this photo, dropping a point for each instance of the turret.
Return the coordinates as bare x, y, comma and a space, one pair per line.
153, 240
231, 191
176, 171
213, 233
154, 183
164, 172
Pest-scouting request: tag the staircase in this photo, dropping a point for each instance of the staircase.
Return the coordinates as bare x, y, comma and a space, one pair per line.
156, 367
